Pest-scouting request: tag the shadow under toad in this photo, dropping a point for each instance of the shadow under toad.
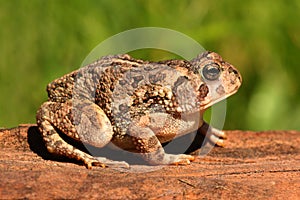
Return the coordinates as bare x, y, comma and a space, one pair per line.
185, 144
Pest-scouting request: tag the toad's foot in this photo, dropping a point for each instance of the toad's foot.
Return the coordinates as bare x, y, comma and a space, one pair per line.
159, 157
214, 135
217, 137
90, 161
182, 159
111, 163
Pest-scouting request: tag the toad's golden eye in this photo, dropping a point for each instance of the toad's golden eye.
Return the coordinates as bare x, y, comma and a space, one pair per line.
211, 72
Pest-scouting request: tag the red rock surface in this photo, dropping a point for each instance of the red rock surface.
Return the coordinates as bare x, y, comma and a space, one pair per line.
253, 165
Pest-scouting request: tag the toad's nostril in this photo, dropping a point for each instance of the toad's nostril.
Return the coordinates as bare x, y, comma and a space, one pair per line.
232, 70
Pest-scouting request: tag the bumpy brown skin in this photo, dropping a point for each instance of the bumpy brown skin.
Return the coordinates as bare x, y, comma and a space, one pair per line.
135, 104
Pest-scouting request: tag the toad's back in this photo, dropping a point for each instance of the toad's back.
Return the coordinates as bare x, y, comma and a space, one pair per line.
99, 80
62, 89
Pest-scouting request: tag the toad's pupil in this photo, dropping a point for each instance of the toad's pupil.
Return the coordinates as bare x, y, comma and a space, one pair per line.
211, 72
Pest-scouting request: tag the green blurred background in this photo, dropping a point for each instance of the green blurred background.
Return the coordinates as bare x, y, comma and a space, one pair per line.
42, 40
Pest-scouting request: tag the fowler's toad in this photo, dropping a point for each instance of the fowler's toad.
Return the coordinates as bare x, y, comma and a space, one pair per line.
137, 105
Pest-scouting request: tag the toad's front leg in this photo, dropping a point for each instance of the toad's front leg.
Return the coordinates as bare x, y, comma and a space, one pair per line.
148, 145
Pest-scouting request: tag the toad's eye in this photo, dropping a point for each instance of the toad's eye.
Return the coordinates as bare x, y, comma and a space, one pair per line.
211, 71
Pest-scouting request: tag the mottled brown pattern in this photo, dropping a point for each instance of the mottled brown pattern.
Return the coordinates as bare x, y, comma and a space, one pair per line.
135, 104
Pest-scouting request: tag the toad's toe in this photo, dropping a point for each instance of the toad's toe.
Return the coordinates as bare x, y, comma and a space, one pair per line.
216, 140
183, 159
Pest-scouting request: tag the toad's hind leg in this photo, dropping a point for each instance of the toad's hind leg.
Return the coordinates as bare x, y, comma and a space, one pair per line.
92, 127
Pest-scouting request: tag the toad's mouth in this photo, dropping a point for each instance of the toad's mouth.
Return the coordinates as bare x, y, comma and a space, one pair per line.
209, 104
